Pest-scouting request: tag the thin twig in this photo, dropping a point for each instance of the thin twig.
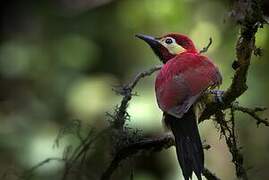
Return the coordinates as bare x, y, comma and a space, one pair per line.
209, 175
253, 113
141, 75
28, 173
81, 150
126, 92
205, 49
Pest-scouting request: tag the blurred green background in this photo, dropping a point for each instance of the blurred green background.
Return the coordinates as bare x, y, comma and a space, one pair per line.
60, 59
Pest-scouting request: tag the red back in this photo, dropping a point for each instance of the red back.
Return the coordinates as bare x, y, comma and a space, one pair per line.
182, 80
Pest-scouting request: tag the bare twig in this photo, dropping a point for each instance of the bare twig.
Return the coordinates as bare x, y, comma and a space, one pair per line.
142, 75
205, 49
30, 172
126, 92
209, 175
81, 150
253, 113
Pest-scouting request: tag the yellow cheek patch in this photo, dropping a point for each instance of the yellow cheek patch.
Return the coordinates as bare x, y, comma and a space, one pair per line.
173, 48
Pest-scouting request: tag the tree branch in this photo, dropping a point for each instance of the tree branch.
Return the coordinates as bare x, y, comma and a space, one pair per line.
230, 137
244, 49
148, 145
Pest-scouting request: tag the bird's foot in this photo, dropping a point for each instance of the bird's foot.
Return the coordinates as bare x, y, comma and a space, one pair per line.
218, 95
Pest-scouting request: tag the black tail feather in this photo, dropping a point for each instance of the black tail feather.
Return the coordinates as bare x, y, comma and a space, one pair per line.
189, 148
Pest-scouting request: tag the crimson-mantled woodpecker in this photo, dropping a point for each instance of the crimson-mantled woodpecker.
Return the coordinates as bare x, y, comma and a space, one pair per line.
184, 77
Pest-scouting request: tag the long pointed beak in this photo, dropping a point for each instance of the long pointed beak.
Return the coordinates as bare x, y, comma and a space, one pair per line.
152, 41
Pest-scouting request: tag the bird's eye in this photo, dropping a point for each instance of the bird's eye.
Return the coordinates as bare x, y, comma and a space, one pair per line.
168, 41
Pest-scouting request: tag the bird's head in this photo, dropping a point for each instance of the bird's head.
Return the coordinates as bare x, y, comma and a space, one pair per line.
170, 45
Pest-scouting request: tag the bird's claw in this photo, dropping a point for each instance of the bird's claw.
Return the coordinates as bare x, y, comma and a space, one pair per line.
218, 95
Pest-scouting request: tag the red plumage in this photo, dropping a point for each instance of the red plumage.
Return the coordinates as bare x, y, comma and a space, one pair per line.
182, 80
184, 77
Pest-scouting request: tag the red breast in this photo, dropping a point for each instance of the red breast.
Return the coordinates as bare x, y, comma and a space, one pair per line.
182, 80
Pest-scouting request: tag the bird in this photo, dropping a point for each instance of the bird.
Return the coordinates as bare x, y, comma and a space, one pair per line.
185, 76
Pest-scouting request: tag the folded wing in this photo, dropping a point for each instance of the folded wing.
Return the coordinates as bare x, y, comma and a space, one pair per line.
182, 80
